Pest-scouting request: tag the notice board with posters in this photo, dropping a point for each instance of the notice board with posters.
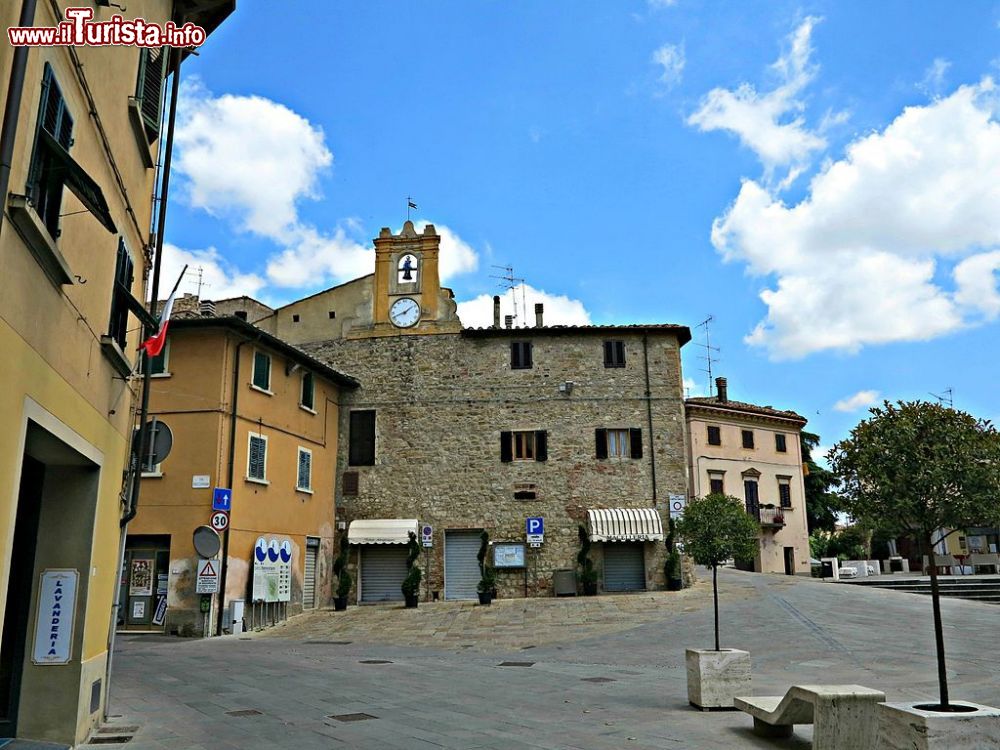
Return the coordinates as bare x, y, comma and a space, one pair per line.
272, 570
508, 555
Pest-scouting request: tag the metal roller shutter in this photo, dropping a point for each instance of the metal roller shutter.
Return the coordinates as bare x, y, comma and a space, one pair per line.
383, 568
309, 577
461, 568
624, 568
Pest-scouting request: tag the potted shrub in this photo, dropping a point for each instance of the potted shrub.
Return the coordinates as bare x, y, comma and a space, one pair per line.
343, 576
487, 585
484, 546
924, 470
411, 584
672, 566
714, 529
588, 574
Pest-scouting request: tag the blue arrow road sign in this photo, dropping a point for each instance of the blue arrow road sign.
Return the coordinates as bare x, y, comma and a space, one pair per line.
534, 526
222, 499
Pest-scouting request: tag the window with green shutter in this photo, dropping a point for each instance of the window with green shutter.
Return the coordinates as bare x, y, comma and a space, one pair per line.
149, 89
262, 371
304, 476
121, 291
308, 399
361, 448
257, 458
45, 176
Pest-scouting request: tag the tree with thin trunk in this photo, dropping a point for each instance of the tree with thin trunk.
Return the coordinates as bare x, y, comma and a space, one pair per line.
714, 529
923, 470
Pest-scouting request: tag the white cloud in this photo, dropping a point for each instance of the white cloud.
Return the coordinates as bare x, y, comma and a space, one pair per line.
693, 388
221, 279
660, 4
856, 259
976, 281
559, 309
456, 256
671, 58
311, 257
247, 158
860, 400
770, 123
934, 77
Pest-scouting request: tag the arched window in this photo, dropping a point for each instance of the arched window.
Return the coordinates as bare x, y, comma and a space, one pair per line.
407, 269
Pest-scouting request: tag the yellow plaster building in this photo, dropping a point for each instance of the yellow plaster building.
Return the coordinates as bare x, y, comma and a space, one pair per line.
82, 140
753, 453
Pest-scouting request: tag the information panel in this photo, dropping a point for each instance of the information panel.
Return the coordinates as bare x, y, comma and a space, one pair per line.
508, 555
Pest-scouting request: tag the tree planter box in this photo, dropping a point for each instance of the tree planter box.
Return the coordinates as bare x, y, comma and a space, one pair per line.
715, 678
339, 603
903, 726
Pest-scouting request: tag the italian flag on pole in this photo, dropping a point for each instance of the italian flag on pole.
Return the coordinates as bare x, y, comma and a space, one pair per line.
154, 344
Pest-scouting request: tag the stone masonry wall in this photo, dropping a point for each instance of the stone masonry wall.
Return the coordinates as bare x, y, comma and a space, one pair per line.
441, 402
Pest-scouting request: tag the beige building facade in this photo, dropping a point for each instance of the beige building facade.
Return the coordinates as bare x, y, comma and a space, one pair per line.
74, 240
259, 418
753, 453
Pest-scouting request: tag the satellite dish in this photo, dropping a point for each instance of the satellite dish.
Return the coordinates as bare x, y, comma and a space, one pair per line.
159, 441
206, 542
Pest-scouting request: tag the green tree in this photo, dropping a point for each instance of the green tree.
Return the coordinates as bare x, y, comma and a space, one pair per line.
714, 529
924, 470
822, 503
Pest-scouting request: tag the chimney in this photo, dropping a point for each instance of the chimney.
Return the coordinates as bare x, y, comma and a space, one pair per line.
508, 321
207, 309
721, 390
496, 311
539, 309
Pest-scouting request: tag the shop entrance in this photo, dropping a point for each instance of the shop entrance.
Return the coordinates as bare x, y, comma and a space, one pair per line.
142, 598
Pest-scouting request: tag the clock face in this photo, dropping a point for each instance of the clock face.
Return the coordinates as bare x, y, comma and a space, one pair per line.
404, 312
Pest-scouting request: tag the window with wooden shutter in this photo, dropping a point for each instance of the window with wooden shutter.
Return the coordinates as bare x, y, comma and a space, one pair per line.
785, 492
45, 178
121, 290
149, 89
716, 483
601, 443
351, 483
541, 445
304, 474
614, 353
158, 364
748, 439
751, 497
361, 450
257, 458
262, 371
714, 435
780, 444
635, 442
506, 447
520, 355
308, 399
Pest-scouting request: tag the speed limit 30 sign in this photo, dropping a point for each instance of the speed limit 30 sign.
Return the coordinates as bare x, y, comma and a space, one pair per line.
220, 520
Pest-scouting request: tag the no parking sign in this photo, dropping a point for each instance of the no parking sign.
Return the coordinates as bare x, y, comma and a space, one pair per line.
677, 505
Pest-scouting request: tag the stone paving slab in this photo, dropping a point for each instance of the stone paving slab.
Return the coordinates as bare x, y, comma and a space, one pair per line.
437, 694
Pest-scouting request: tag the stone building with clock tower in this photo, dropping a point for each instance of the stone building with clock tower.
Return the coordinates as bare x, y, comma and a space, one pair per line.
465, 430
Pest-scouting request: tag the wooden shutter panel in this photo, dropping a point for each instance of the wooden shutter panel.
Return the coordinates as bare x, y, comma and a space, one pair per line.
506, 454
526, 355
635, 440
515, 356
149, 90
601, 442
305, 471
255, 469
608, 353
541, 445
362, 437
351, 483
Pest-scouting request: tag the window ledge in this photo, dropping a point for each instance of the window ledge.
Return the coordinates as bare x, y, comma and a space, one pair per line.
113, 353
152, 475
261, 390
39, 241
303, 489
160, 375
306, 408
139, 131
254, 480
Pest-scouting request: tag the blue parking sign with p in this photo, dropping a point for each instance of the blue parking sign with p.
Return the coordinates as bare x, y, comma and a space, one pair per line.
222, 499
535, 526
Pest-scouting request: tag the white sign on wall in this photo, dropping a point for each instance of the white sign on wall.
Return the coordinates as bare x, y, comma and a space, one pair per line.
272, 570
201, 481
56, 615
207, 581
677, 505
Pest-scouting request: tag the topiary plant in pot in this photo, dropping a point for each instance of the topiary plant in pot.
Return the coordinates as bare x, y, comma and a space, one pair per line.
588, 574
344, 580
411, 584
487, 585
672, 566
484, 545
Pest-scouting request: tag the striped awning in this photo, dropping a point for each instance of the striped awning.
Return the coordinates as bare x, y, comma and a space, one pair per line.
625, 525
381, 530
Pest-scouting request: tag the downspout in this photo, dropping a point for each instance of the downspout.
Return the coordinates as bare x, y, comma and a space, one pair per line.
12, 108
649, 415
135, 462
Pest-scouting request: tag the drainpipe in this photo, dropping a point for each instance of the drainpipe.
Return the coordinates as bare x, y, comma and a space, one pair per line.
8, 133
649, 415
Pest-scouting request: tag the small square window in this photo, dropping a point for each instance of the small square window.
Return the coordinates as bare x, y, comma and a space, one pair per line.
520, 355
332, 314
618, 441
295, 318
351, 484
614, 353
779, 443
714, 435
524, 446
262, 371
748, 439
717, 484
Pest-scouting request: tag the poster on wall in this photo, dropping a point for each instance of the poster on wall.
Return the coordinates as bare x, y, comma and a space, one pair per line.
161, 611
141, 578
138, 609
272, 570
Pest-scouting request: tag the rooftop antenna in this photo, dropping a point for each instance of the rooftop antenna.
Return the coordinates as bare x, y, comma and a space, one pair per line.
201, 280
948, 397
510, 282
708, 356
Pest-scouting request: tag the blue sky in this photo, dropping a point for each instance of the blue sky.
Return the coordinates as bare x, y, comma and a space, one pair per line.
847, 154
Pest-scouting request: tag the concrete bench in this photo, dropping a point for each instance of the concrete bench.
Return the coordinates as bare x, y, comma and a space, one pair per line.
981, 560
843, 716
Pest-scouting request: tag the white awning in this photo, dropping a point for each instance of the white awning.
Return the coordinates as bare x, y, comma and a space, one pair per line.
381, 530
625, 525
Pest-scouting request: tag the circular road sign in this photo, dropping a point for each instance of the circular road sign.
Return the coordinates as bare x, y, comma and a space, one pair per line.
220, 520
206, 541
159, 441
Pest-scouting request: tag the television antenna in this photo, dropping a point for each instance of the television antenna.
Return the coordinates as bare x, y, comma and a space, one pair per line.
947, 397
510, 282
709, 356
